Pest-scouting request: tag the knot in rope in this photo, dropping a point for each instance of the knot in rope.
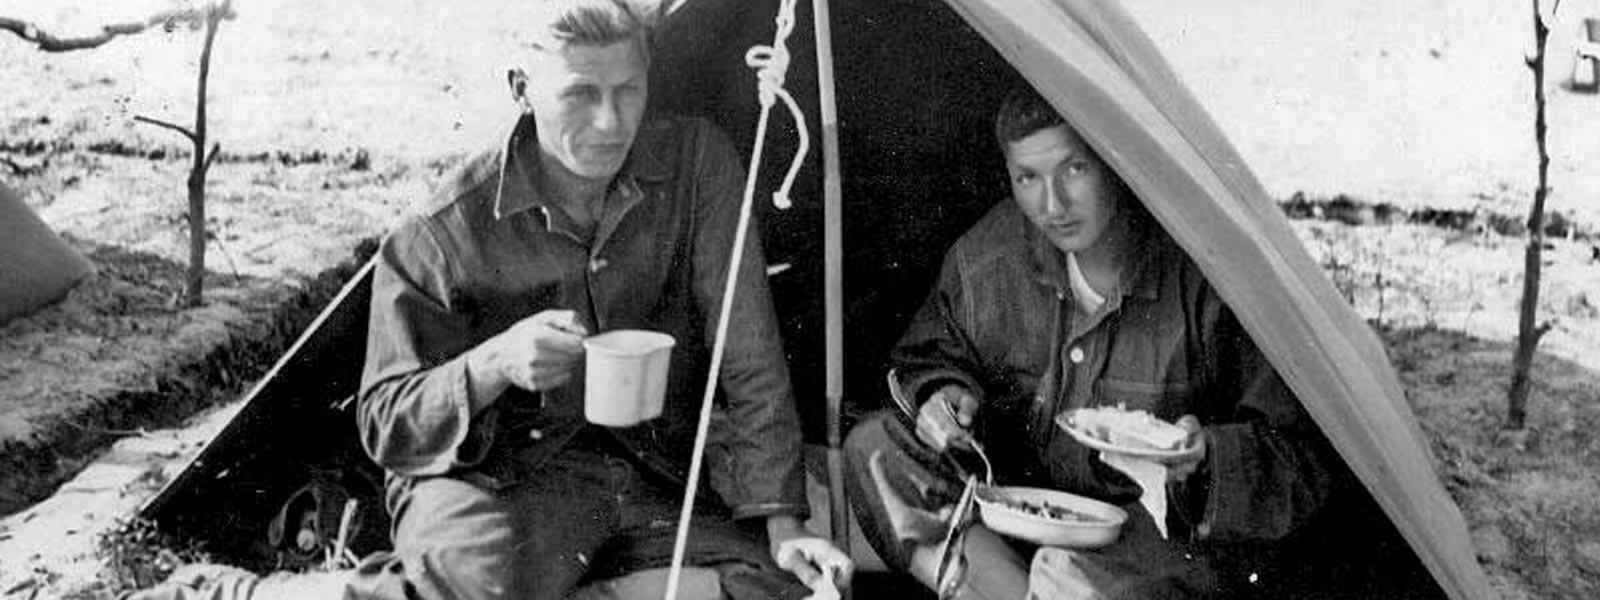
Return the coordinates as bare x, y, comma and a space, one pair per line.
772, 66
772, 62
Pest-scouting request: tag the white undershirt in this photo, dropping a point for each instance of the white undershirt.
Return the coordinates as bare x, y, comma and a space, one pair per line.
1088, 299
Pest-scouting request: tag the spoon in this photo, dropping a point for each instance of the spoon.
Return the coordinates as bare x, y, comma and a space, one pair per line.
951, 572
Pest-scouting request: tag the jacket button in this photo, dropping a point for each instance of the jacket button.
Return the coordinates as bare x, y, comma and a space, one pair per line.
1075, 354
597, 264
535, 434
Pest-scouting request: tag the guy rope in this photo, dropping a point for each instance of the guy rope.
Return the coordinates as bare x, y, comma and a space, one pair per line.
771, 64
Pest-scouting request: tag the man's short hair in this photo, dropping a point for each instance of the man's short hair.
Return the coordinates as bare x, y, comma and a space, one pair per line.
560, 23
1021, 114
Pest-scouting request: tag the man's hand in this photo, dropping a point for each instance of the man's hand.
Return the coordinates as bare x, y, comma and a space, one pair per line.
537, 353
945, 418
808, 556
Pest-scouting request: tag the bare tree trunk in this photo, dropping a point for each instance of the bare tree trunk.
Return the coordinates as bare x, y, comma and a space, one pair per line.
197, 172
194, 288
1528, 334
211, 16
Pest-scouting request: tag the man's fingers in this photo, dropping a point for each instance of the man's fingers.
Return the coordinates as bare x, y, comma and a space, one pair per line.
554, 380
836, 565
966, 408
1189, 423
930, 433
567, 322
937, 424
836, 569
803, 570
958, 403
552, 339
811, 559
563, 326
791, 559
535, 379
556, 355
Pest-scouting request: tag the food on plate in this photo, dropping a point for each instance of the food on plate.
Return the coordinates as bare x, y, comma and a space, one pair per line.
1051, 511
1118, 426
1040, 508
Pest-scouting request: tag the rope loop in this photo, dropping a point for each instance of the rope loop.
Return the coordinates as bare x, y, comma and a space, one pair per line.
772, 67
771, 64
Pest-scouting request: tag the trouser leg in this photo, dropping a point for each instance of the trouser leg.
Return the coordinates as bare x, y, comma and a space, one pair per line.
583, 515
737, 552
452, 540
455, 540
1139, 565
918, 477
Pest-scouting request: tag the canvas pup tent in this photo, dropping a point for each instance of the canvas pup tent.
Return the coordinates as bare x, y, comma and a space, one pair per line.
916, 82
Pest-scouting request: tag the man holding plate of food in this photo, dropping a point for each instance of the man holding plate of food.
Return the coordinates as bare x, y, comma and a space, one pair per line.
1074, 343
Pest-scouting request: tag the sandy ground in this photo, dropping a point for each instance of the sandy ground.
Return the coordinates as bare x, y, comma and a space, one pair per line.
50, 549
1413, 102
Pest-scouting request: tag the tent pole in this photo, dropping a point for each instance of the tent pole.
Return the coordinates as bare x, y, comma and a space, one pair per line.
833, 289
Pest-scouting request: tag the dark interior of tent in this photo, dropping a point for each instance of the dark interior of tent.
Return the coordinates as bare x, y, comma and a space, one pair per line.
916, 89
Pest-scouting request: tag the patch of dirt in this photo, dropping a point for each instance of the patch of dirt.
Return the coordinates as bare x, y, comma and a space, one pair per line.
1528, 495
119, 356
54, 549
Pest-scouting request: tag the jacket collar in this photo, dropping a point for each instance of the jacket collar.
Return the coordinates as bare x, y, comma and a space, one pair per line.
1140, 278
520, 188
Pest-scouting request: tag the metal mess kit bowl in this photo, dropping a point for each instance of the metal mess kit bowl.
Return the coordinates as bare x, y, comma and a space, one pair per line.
996, 507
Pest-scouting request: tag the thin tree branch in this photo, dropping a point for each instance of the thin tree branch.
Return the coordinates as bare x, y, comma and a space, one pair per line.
193, 137
1544, 328
168, 19
211, 157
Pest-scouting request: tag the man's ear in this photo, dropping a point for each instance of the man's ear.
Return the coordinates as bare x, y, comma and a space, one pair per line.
517, 80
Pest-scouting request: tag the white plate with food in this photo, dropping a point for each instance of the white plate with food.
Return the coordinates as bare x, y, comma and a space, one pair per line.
1131, 432
1049, 517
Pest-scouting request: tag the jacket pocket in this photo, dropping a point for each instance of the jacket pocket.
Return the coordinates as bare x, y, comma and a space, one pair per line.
1166, 399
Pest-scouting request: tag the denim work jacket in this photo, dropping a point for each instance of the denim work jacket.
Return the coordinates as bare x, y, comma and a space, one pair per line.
1003, 323
491, 249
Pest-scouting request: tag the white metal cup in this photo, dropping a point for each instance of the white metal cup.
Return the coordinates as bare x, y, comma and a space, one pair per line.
625, 376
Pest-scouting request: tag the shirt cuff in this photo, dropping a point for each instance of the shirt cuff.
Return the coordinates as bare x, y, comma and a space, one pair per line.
767, 509
442, 435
